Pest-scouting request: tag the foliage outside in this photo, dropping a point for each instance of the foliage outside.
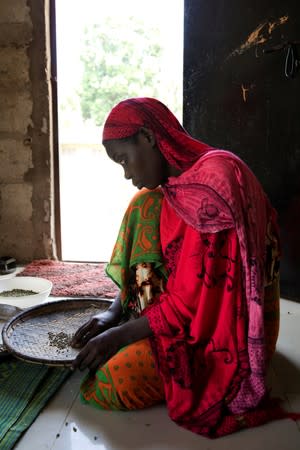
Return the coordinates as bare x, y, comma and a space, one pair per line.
121, 60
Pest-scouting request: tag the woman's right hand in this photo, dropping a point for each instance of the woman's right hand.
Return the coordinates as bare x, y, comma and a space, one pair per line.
97, 324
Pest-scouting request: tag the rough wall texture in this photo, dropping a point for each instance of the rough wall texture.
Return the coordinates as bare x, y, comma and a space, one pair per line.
26, 192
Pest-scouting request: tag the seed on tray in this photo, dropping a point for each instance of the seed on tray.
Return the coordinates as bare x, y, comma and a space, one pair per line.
60, 340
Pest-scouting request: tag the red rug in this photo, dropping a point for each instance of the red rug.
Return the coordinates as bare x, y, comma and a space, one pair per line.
73, 279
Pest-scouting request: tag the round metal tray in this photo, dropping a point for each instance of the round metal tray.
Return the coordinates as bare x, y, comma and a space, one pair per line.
6, 313
42, 334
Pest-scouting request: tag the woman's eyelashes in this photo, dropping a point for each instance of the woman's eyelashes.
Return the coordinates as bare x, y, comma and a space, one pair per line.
121, 160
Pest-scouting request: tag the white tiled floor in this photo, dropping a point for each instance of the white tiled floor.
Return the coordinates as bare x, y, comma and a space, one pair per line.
66, 424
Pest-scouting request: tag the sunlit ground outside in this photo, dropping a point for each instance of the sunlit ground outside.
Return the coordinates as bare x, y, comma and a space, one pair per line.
107, 51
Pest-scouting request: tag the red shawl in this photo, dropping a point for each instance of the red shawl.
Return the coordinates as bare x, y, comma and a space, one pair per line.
216, 192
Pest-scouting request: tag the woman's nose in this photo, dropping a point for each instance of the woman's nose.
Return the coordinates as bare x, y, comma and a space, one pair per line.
127, 173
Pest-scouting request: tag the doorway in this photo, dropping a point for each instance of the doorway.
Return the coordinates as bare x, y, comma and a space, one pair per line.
106, 52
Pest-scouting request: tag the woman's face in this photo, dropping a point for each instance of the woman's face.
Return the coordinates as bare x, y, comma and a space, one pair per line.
141, 160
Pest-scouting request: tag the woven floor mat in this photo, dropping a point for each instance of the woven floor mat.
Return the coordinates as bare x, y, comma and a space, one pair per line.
73, 279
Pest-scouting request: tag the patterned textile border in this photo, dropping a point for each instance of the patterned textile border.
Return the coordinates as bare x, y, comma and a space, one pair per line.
73, 279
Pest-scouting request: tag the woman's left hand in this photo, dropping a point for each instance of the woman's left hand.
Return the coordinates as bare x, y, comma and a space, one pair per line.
98, 350
101, 348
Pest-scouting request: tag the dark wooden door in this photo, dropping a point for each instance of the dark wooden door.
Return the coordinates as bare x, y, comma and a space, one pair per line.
242, 93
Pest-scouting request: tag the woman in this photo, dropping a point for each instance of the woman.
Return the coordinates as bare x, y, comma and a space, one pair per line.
197, 263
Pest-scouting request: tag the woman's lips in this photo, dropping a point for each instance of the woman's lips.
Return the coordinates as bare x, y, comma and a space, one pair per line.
137, 184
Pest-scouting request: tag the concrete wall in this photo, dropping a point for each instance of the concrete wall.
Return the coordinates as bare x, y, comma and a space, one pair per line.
26, 162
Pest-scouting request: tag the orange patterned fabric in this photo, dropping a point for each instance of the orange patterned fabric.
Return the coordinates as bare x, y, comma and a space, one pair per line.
127, 381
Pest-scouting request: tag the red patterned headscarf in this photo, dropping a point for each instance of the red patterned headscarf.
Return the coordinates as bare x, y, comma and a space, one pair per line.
179, 148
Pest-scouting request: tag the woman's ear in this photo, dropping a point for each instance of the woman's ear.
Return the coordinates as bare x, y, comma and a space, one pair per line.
148, 135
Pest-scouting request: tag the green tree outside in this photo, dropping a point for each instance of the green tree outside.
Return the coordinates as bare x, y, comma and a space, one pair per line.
119, 61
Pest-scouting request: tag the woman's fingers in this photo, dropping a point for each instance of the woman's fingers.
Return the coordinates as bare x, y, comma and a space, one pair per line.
86, 361
87, 331
79, 334
93, 361
83, 358
77, 361
97, 351
82, 330
89, 334
95, 364
89, 358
